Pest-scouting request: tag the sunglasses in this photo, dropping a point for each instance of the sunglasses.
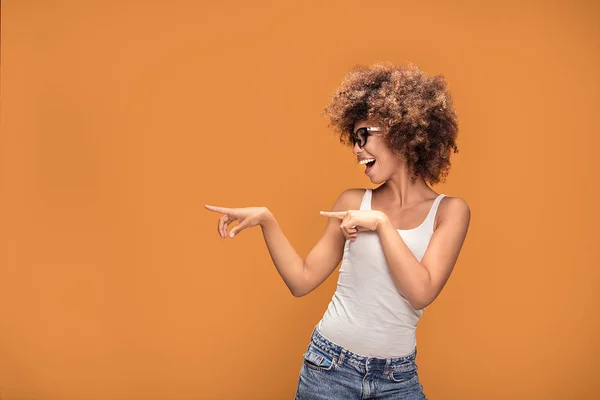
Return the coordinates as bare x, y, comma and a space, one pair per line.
361, 135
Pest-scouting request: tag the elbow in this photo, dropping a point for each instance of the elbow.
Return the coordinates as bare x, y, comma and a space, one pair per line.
300, 287
420, 302
301, 290
298, 291
418, 305
421, 296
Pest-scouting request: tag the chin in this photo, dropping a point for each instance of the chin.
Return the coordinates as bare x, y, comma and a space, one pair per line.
376, 181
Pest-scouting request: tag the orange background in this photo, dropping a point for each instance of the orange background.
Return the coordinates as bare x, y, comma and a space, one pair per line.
121, 119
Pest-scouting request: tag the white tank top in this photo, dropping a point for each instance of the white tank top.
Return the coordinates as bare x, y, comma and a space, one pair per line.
367, 314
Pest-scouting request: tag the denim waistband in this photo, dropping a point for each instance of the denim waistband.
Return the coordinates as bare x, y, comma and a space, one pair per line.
361, 361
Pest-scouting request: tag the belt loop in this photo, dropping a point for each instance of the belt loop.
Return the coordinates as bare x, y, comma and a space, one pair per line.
342, 356
386, 369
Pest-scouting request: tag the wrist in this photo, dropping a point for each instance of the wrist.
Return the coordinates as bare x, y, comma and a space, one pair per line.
266, 217
382, 222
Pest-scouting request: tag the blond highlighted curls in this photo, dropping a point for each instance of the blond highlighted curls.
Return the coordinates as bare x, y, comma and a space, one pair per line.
415, 110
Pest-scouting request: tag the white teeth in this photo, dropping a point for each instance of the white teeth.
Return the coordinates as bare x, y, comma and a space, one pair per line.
363, 162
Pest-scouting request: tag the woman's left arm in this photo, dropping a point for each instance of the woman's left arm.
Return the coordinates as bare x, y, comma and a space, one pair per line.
421, 282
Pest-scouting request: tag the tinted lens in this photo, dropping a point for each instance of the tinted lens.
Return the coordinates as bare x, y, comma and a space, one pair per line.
360, 137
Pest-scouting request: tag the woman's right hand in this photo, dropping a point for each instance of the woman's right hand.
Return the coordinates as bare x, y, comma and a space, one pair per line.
247, 217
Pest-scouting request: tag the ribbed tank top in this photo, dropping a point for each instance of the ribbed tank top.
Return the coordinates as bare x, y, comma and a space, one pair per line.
367, 314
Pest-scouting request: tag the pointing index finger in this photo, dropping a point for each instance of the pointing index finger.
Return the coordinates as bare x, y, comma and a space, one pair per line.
222, 210
334, 214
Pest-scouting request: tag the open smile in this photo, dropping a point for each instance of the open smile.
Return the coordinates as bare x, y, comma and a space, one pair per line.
369, 162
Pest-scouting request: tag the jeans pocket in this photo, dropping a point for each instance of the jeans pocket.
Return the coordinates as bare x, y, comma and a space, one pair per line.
318, 360
403, 372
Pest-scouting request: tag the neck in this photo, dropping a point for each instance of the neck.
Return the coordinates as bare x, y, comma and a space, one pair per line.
401, 190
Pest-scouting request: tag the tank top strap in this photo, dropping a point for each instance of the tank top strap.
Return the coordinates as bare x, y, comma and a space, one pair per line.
366, 200
434, 207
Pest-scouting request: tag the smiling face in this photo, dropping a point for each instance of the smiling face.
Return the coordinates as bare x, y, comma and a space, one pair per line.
381, 162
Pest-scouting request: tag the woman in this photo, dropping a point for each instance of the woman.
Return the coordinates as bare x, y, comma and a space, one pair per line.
399, 242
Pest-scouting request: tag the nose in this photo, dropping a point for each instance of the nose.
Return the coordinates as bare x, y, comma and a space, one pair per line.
356, 149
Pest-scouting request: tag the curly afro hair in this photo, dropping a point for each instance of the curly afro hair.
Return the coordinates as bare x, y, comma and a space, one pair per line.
415, 110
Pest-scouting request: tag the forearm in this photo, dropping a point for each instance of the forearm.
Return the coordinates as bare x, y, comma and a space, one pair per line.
409, 276
285, 258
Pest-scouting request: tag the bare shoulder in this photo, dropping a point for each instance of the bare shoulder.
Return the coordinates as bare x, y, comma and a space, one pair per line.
454, 209
350, 199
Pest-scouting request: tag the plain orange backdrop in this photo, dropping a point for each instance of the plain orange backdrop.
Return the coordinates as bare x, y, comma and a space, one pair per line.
121, 119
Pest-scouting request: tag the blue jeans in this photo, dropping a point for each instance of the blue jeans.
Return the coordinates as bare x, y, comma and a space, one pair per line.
330, 372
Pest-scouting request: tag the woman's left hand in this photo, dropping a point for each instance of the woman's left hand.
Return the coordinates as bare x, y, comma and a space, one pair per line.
354, 221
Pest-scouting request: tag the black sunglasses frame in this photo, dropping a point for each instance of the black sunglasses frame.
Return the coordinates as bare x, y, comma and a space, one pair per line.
361, 135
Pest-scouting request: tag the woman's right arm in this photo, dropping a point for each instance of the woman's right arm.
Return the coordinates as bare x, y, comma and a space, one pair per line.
300, 276
303, 276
